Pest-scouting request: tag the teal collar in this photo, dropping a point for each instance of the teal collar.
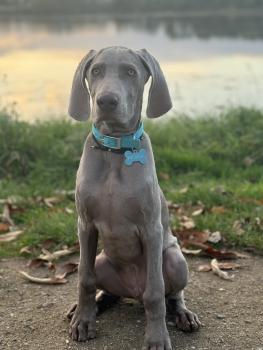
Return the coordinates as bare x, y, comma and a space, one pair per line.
131, 141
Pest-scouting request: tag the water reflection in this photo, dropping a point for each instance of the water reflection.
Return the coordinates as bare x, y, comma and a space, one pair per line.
250, 27
209, 62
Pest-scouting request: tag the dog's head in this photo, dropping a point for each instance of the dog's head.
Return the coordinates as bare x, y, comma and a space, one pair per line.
116, 77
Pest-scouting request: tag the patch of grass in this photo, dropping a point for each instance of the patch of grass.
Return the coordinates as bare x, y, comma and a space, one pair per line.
219, 159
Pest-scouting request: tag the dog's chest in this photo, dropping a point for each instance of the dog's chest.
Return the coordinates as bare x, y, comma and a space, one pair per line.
115, 205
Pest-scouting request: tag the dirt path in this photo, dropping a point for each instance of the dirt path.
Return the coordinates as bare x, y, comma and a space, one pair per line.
33, 316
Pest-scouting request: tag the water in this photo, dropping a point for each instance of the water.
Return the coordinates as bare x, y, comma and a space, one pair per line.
211, 63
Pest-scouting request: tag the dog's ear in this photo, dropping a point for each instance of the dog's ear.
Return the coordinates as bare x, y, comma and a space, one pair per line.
79, 103
159, 100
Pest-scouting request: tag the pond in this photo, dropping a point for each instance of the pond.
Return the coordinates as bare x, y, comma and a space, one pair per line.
211, 63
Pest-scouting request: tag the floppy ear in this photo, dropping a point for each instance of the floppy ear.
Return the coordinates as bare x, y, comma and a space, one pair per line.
79, 103
159, 100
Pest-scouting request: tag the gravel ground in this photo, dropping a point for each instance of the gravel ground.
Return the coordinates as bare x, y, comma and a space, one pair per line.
33, 316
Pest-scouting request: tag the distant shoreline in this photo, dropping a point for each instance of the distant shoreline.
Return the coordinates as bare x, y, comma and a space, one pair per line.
4, 11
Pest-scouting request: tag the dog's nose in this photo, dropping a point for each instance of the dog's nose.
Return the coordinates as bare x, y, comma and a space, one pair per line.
108, 102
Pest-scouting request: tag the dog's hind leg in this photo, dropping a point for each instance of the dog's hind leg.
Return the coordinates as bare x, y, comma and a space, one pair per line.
175, 275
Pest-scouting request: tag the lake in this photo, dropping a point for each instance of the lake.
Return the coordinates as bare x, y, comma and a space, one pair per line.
211, 62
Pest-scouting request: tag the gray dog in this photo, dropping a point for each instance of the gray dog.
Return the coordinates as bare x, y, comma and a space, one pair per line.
118, 197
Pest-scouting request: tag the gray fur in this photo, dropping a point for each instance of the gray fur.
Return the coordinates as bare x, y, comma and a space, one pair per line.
126, 207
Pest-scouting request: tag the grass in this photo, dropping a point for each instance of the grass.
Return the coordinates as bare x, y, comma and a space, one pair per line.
218, 158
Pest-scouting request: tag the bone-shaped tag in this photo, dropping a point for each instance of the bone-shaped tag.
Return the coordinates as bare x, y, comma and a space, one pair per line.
137, 156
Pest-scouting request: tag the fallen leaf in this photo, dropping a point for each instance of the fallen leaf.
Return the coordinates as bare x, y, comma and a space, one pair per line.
198, 212
48, 280
222, 266
36, 263
238, 227
172, 205
51, 201
218, 210
215, 253
69, 211
164, 176
10, 236
183, 190
222, 274
214, 237
6, 216
58, 254
26, 250
192, 235
187, 223
191, 251
204, 268
229, 266
64, 269
4, 227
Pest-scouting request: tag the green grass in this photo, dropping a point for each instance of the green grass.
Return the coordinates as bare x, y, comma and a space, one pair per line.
205, 154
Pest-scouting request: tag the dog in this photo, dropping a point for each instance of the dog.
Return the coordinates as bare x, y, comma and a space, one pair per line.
119, 199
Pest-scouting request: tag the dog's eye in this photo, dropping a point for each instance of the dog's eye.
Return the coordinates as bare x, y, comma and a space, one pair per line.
131, 72
95, 71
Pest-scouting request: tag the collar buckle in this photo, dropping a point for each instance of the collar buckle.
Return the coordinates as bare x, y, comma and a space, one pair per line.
112, 142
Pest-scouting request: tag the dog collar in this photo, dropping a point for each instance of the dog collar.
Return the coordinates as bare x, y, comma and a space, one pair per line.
131, 141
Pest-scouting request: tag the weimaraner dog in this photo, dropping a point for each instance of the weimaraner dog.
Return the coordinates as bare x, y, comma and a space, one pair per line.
118, 197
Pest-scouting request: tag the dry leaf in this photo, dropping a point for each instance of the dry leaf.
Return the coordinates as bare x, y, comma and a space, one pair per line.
172, 205
212, 252
214, 237
229, 266
51, 201
198, 212
48, 280
223, 254
37, 262
6, 216
58, 254
184, 189
64, 269
218, 210
164, 176
4, 227
204, 268
222, 274
10, 236
69, 211
237, 227
191, 251
222, 266
26, 250
192, 235
187, 223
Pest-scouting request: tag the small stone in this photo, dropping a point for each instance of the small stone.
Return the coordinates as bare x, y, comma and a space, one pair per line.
67, 341
248, 321
170, 323
220, 316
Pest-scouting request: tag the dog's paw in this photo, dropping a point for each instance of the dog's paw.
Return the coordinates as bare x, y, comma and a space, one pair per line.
83, 325
157, 338
186, 320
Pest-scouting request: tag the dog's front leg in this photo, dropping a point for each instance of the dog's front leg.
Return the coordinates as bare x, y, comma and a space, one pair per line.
156, 335
82, 325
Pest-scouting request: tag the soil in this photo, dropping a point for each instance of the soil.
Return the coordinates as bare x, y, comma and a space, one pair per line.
33, 316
